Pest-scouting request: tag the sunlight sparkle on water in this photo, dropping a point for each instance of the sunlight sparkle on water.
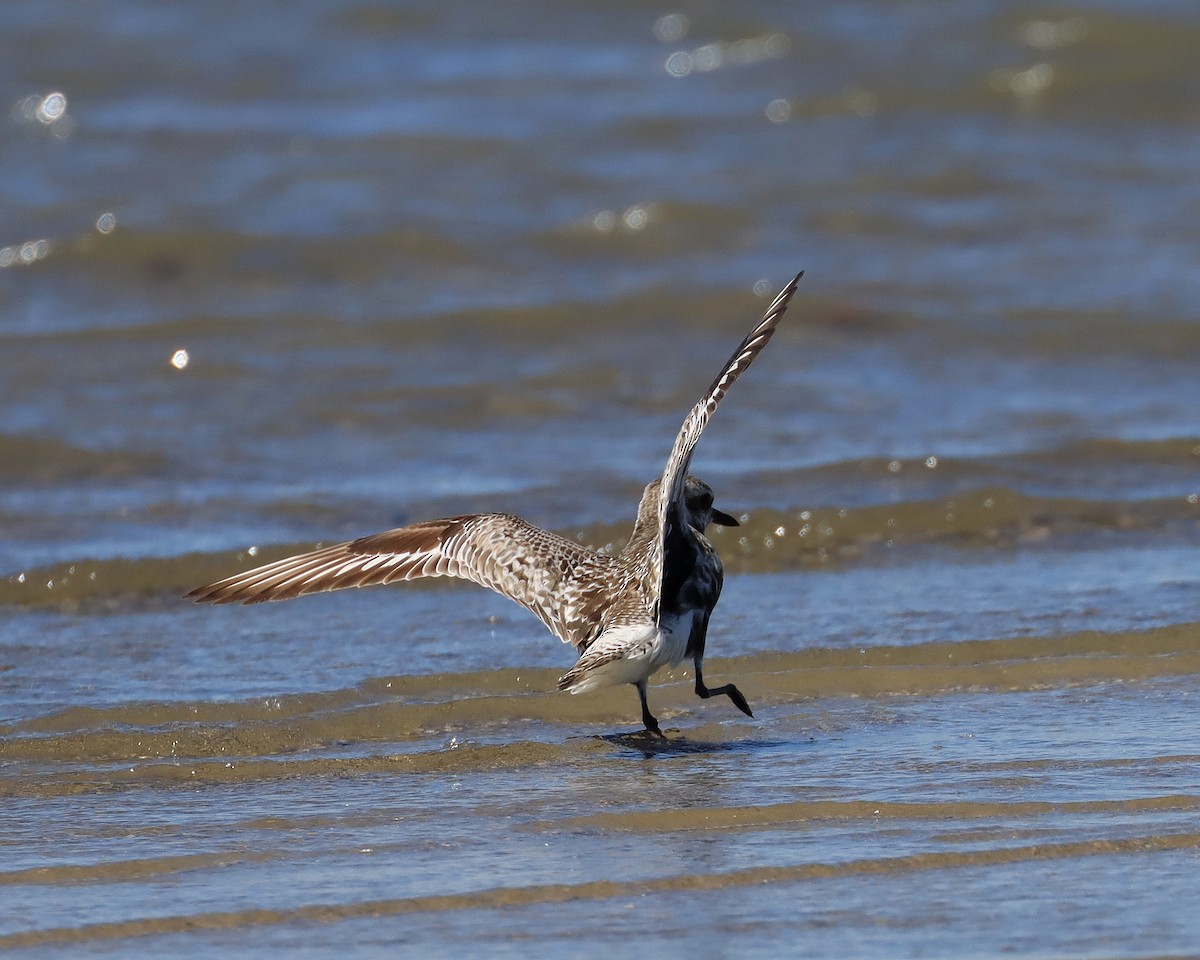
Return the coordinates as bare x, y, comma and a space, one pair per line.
47, 109
604, 221
51, 108
779, 110
1048, 35
23, 254
1024, 84
636, 218
671, 27
711, 56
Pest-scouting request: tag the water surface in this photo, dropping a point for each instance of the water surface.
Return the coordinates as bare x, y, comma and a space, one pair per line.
282, 274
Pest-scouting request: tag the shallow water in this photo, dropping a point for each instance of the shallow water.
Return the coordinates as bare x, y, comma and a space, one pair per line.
431, 259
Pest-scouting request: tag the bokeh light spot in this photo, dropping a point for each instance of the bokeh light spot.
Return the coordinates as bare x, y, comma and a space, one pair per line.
51, 107
679, 64
636, 218
671, 27
1049, 35
779, 110
604, 221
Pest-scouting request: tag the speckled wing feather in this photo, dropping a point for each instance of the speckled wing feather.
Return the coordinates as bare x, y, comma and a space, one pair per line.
504, 553
670, 489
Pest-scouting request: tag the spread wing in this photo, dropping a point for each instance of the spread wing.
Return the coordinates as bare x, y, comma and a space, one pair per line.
502, 552
670, 491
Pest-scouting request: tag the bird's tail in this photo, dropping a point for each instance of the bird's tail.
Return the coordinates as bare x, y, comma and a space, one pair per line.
624, 654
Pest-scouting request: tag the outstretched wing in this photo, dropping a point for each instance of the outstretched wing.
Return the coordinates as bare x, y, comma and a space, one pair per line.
498, 551
670, 491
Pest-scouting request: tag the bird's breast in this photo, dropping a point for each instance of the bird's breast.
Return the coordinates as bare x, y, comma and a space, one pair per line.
674, 633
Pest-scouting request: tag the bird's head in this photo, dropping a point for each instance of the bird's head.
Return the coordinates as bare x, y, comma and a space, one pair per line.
698, 502
697, 506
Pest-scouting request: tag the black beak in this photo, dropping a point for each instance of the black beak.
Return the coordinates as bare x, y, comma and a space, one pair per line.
723, 519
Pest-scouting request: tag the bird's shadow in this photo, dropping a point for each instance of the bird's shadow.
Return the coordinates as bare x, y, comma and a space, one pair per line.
672, 744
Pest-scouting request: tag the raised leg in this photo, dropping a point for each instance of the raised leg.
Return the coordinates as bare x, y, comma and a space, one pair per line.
732, 692
647, 716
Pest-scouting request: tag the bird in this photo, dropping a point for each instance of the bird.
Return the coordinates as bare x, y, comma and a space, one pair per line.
628, 614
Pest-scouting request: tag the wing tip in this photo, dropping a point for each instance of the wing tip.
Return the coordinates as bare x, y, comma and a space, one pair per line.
203, 594
784, 295
210, 594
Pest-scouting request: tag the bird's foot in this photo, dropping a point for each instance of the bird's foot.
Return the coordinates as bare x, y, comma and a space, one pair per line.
729, 690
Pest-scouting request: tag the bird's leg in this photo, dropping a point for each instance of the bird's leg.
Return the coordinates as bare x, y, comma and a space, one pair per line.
647, 716
732, 692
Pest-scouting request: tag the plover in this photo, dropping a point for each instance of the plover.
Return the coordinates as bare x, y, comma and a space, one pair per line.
628, 615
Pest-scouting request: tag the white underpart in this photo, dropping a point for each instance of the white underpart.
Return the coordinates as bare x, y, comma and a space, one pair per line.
644, 649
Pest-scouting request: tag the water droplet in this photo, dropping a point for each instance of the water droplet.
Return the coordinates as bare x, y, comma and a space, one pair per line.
24, 254
679, 64
777, 45
179, 359
636, 218
51, 107
1047, 35
1033, 81
604, 221
1026, 83
708, 57
671, 27
779, 110
106, 223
